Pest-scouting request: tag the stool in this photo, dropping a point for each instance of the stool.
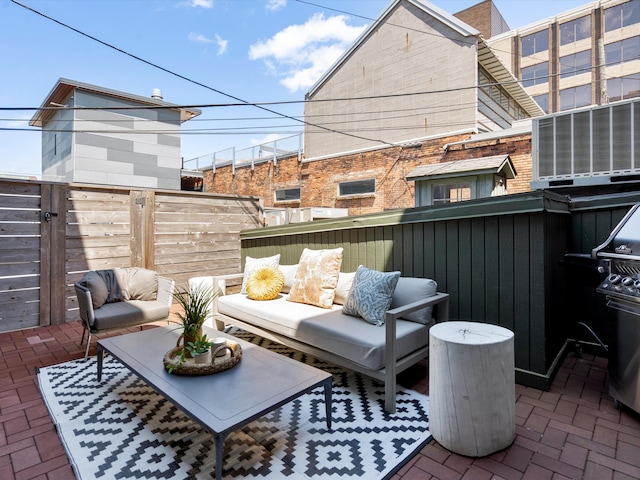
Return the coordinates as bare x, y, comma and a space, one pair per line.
471, 387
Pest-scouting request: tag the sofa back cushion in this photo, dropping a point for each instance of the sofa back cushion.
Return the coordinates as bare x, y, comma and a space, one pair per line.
411, 289
317, 277
345, 282
289, 272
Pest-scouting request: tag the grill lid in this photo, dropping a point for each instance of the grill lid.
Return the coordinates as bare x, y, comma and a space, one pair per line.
624, 241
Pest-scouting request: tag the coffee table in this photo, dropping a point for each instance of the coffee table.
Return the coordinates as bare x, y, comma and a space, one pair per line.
223, 402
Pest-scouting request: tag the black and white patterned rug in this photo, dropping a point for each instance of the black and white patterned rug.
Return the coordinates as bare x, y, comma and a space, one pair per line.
122, 429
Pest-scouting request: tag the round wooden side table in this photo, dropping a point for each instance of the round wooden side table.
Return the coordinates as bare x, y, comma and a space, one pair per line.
471, 387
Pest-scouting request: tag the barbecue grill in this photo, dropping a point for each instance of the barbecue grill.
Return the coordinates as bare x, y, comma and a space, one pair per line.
621, 259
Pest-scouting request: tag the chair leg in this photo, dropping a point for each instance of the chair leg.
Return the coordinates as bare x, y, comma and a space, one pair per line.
86, 352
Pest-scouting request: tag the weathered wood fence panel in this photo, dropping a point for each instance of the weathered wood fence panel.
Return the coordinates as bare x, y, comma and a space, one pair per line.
51, 234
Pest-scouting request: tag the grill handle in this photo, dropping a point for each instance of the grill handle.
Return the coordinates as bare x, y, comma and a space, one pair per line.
623, 306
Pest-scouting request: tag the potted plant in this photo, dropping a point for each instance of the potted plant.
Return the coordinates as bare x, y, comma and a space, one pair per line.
200, 350
196, 304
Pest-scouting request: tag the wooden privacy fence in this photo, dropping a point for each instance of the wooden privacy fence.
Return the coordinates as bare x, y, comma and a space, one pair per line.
51, 234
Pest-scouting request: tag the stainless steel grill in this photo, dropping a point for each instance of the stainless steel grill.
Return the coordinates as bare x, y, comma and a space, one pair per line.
621, 286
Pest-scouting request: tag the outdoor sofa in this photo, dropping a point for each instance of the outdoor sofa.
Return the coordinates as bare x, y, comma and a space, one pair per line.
379, 351
121, 297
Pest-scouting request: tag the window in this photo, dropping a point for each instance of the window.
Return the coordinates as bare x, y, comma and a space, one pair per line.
358, 187
575, 30
288, 194
500, 95
535, 74
623, 51
450, 193
575, 64
623, 87
543, 101
575, 97
534, 43
622, 15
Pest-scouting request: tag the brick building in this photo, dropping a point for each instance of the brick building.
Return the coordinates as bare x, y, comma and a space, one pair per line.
427, 85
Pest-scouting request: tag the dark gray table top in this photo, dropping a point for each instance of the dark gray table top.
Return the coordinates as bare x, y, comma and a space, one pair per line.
261, 382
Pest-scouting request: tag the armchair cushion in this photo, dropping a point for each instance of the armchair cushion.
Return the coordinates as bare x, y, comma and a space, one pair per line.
93, 281
137, 283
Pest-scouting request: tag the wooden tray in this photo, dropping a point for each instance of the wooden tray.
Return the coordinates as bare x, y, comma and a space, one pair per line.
218, 364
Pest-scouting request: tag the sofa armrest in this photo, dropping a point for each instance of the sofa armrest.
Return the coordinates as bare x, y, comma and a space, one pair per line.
220, 281
439, 300
85, 304
166, 287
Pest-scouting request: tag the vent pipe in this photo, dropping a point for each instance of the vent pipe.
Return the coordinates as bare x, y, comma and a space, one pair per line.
157, 94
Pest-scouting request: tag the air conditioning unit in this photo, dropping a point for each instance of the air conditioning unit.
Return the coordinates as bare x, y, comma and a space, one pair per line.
275, 216
320, 212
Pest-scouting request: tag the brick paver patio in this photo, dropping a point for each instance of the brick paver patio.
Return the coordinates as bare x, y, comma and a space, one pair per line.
573, 431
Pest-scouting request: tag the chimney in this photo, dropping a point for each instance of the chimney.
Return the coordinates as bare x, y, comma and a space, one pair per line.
157, 94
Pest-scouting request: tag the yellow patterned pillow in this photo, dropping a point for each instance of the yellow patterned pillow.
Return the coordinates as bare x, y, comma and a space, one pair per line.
265, 283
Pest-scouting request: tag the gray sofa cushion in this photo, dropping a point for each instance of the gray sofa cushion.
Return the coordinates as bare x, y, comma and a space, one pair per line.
410, 290
328, 329
124, 314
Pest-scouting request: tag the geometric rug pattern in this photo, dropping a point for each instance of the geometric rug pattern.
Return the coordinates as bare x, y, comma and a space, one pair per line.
121, 428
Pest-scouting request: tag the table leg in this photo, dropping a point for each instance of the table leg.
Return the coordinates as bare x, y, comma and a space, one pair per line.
328, 390
219, 441
100, 356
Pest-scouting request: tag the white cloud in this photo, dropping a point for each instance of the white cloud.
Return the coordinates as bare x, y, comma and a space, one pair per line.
302, 53
200, 3
199, 38
222, 45
219, 41
272, 137
275, 5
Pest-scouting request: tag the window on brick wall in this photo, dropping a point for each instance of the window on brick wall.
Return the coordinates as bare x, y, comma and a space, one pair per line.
357, 187
288, 195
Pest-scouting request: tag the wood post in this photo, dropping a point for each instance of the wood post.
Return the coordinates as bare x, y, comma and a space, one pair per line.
471, 387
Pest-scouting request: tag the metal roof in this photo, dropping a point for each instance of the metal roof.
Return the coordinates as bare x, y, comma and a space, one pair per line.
479, 166
59, 94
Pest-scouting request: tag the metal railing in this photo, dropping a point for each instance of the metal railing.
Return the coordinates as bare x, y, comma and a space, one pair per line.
250, 156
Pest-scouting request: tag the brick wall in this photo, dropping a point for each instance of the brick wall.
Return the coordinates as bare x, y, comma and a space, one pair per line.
318, 180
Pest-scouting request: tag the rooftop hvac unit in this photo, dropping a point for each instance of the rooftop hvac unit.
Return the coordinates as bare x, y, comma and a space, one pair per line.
275, 216
594, 146
308, 214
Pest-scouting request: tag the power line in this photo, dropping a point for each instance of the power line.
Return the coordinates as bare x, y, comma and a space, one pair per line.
183, 77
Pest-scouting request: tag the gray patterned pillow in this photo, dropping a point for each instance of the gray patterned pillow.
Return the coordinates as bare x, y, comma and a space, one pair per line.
370, 295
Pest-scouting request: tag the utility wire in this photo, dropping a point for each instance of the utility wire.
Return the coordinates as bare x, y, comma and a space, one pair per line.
190, 80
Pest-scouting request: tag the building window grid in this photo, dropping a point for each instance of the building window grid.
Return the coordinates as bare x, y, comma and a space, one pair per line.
287, 195
622, 15
543, 101
575, 30
357, 187
575, 97
575, 64
450, 193
535, 43
535, 74
622, 51
622, 88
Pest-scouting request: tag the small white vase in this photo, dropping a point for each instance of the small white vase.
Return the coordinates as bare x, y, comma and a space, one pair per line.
203, 358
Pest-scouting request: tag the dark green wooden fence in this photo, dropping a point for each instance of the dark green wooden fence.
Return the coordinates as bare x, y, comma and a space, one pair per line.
501, 259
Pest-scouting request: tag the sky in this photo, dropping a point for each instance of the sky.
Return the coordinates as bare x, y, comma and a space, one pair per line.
198, 52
